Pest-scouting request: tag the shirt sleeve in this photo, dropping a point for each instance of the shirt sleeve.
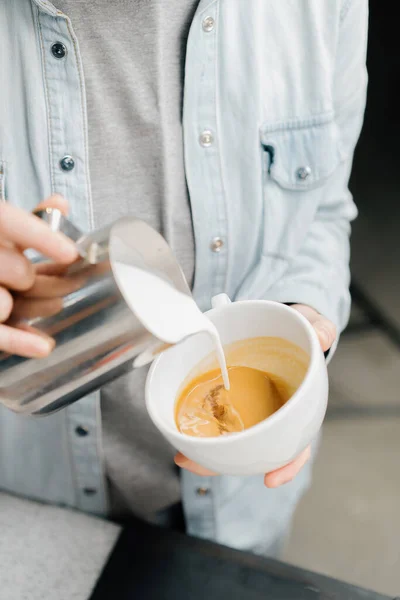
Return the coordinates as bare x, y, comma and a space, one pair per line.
319, 275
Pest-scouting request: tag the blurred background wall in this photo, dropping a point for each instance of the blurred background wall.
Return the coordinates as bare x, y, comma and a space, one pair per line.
348, 526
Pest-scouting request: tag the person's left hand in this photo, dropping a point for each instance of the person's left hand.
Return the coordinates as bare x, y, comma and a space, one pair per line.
326, 332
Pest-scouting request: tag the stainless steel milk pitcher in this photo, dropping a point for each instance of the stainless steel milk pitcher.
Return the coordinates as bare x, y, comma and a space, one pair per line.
97, 336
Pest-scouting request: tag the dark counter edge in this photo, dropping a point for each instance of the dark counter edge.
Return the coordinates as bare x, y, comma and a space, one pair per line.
142, 549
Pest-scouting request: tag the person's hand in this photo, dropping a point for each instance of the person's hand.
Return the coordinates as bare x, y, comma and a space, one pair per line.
326, 332
20, 230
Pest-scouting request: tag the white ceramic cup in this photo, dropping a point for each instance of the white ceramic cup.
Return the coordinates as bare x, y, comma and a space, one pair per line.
277, 440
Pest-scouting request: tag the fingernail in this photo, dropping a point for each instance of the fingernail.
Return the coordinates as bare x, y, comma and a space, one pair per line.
68, 249
180, 460
276, 482
324, 336
44, 346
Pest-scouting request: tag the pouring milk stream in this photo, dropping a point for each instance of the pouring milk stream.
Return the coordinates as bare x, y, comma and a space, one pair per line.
166, 312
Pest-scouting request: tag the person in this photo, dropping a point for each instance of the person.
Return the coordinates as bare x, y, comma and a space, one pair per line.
230, 127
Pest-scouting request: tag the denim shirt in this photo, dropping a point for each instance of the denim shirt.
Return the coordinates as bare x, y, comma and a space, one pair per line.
273, 107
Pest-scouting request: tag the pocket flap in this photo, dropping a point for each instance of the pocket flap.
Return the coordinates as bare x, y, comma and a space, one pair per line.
302, 153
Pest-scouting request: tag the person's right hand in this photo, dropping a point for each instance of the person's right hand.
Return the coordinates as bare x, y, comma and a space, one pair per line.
20, 230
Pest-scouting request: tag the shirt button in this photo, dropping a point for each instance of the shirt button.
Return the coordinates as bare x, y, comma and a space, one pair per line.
202, 491
206, 139
81, 431
208, 24
59, 50
67, 163
216, 244
303, 173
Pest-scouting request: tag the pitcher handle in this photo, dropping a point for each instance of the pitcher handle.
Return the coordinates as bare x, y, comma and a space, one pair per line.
220, 300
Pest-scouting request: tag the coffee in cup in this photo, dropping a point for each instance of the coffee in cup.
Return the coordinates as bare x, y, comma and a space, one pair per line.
204, 408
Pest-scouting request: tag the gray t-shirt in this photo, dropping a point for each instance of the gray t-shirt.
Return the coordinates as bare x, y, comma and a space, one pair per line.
133, 55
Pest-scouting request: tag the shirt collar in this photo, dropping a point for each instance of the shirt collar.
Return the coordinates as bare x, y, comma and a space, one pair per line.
204, 5
48, 8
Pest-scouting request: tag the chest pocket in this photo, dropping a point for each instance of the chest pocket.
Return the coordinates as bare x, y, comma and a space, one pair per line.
299, 156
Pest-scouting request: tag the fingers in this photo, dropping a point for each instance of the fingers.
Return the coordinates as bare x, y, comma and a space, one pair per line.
28, 231
6, 304
289, 472
51, 269
25, 309
324, 328
24, 343
28, 343
16, 271
20, 230
271, 480
54, 287
191, 466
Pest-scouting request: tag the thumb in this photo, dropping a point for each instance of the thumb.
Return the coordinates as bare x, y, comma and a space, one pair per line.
54, 201
326, 333
324, 328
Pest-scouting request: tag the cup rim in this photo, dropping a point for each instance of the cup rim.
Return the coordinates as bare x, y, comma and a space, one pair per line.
269, 421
